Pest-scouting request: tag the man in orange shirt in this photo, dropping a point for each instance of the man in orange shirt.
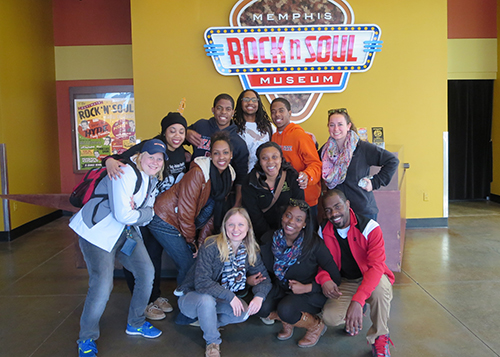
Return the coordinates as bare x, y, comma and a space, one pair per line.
299, 150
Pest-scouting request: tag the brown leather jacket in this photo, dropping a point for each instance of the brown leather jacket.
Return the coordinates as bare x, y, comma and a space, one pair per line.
180, 205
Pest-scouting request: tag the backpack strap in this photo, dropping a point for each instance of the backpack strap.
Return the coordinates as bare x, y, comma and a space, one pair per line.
138, 183
277, 192
137, 187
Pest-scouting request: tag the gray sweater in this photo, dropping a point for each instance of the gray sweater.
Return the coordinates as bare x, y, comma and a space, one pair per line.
205, 274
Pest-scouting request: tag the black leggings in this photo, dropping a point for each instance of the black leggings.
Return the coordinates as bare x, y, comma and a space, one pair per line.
290, 306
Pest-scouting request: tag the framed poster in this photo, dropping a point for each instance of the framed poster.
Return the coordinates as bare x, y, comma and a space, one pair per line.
103, 123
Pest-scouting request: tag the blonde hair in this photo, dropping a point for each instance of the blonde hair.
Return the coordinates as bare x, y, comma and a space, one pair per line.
137, 158
249, 241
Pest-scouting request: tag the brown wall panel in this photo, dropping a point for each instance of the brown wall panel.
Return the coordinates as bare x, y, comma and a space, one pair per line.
472, 19
92, 22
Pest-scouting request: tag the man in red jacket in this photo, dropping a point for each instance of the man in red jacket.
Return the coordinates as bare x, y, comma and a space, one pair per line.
357, 246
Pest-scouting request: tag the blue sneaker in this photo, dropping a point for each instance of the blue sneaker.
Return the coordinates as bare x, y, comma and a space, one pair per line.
87, 348
146, 330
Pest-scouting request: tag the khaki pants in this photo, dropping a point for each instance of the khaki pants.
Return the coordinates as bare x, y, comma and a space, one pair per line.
335, 310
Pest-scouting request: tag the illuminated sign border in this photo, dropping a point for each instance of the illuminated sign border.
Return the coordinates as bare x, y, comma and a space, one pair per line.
217, 50
235, 52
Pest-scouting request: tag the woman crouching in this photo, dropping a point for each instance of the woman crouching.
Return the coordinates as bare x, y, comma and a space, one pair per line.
221, 269
293, 255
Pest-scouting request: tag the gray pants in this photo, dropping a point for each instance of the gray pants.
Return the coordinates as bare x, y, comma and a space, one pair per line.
100, 265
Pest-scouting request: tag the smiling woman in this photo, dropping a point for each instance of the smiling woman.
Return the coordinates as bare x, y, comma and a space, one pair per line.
221, 270
292, 256
269, 187
108, 227
254, 125
172, 134
193, 208
150, 164
346, 162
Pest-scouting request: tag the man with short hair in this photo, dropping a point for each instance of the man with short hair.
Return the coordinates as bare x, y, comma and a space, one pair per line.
357, 246
298, 149
199, 133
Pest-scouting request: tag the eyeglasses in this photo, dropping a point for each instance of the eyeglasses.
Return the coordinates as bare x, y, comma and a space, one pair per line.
337, 111
248, 99
302, 205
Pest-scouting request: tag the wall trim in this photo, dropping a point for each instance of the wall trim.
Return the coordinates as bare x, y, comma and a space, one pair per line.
472, 58
419, 223
494, 198
28, 227
93, 62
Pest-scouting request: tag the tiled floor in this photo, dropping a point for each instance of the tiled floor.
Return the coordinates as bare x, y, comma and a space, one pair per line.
446, 300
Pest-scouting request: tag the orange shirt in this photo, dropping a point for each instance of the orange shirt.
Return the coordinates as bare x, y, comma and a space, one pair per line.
299, 150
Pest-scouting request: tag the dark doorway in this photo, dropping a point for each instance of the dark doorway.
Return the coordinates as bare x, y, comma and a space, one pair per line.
470, 106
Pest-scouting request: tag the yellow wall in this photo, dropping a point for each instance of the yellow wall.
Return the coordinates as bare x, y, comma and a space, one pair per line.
93, 62
472, 58
495, 127
405, 91
28, 117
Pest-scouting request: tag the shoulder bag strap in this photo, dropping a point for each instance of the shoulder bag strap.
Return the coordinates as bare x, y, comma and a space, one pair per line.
277, 192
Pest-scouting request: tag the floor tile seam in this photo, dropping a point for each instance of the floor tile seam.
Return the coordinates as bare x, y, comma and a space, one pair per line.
57, 327
449, 312
457, 282
42, 296
35, 268
476, 215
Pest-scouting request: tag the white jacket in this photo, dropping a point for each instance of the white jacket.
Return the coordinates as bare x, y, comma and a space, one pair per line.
115, 213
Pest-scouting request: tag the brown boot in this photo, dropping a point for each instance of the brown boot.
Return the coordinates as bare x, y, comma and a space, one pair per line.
286, 332
315, 329
274, 316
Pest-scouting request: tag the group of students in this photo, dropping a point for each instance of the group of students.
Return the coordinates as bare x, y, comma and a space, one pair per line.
240, 211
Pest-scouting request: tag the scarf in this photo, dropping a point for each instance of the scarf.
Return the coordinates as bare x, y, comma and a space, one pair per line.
284, 256
234, 275
221, 184
336, 160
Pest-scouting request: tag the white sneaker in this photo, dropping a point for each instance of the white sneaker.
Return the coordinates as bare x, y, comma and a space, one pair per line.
267, 321
178, 292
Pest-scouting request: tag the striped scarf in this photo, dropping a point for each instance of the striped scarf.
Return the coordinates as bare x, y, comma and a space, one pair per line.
234, 275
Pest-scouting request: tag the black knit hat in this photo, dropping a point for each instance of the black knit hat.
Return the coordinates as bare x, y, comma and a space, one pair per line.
172, 118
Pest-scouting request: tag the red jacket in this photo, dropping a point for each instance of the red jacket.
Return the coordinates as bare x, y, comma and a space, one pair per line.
367, 246
299, 150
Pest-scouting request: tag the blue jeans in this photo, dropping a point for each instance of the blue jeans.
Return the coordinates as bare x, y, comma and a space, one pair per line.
211, 313
155, 251
174, 244
100, 265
